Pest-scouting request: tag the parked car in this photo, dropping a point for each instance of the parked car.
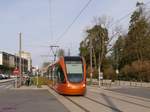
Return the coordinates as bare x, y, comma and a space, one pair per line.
7, 76
13, 76
1, 77
4, 76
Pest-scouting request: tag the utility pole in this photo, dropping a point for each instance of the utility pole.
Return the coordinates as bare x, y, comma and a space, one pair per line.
54, 53
20, 49
91, 67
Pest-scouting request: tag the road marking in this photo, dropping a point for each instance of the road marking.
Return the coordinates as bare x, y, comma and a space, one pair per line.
6, 86
9, 86
2, 86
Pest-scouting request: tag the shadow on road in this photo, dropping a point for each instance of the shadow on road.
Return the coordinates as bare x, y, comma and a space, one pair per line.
110, 103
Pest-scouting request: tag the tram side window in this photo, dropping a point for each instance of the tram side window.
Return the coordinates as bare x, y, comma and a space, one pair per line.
61, 77
55, 74
51, 73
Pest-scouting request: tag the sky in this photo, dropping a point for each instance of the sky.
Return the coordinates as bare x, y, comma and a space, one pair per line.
42, 22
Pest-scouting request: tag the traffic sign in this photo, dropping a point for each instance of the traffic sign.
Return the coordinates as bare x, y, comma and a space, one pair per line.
16, 71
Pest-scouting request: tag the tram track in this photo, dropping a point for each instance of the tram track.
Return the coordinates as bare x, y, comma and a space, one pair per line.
113, 108
138, 98
125, 95
81, 107
125, 100
95, 101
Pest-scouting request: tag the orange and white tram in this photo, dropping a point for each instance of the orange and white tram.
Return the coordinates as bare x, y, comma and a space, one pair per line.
69, 75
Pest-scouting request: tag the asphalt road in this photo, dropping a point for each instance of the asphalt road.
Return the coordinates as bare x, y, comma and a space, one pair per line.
141, 92
29, 101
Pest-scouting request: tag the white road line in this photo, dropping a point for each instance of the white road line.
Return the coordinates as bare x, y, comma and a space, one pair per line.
2, 86
9, 86
6, 86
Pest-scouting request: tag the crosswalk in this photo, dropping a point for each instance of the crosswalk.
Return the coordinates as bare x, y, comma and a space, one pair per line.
6, 86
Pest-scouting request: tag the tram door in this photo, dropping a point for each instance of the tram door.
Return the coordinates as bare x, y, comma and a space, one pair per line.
54, 77
58, 75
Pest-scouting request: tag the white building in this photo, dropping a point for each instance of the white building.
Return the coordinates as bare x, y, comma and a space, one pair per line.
27, 56
9, 61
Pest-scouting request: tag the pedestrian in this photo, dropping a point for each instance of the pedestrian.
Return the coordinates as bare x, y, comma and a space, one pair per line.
28, 81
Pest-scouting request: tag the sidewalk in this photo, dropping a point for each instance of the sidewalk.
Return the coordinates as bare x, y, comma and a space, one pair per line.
33, 87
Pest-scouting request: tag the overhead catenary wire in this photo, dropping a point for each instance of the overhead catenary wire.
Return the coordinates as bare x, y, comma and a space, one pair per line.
78, 15
86, 5
119, 20
147, 3
125, 16
50, 14
74, 20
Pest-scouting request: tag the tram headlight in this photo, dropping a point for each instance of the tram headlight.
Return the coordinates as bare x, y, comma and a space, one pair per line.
68, 85
83, 85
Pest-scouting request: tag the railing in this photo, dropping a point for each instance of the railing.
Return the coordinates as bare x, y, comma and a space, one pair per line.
109, 83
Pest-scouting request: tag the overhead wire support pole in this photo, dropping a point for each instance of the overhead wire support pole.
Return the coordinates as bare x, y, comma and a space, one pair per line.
54, 52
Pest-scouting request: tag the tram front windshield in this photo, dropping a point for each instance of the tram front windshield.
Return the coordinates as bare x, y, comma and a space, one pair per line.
74, 71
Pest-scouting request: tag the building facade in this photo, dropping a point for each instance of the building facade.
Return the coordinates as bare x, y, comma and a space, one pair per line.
9, 62
26, 55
